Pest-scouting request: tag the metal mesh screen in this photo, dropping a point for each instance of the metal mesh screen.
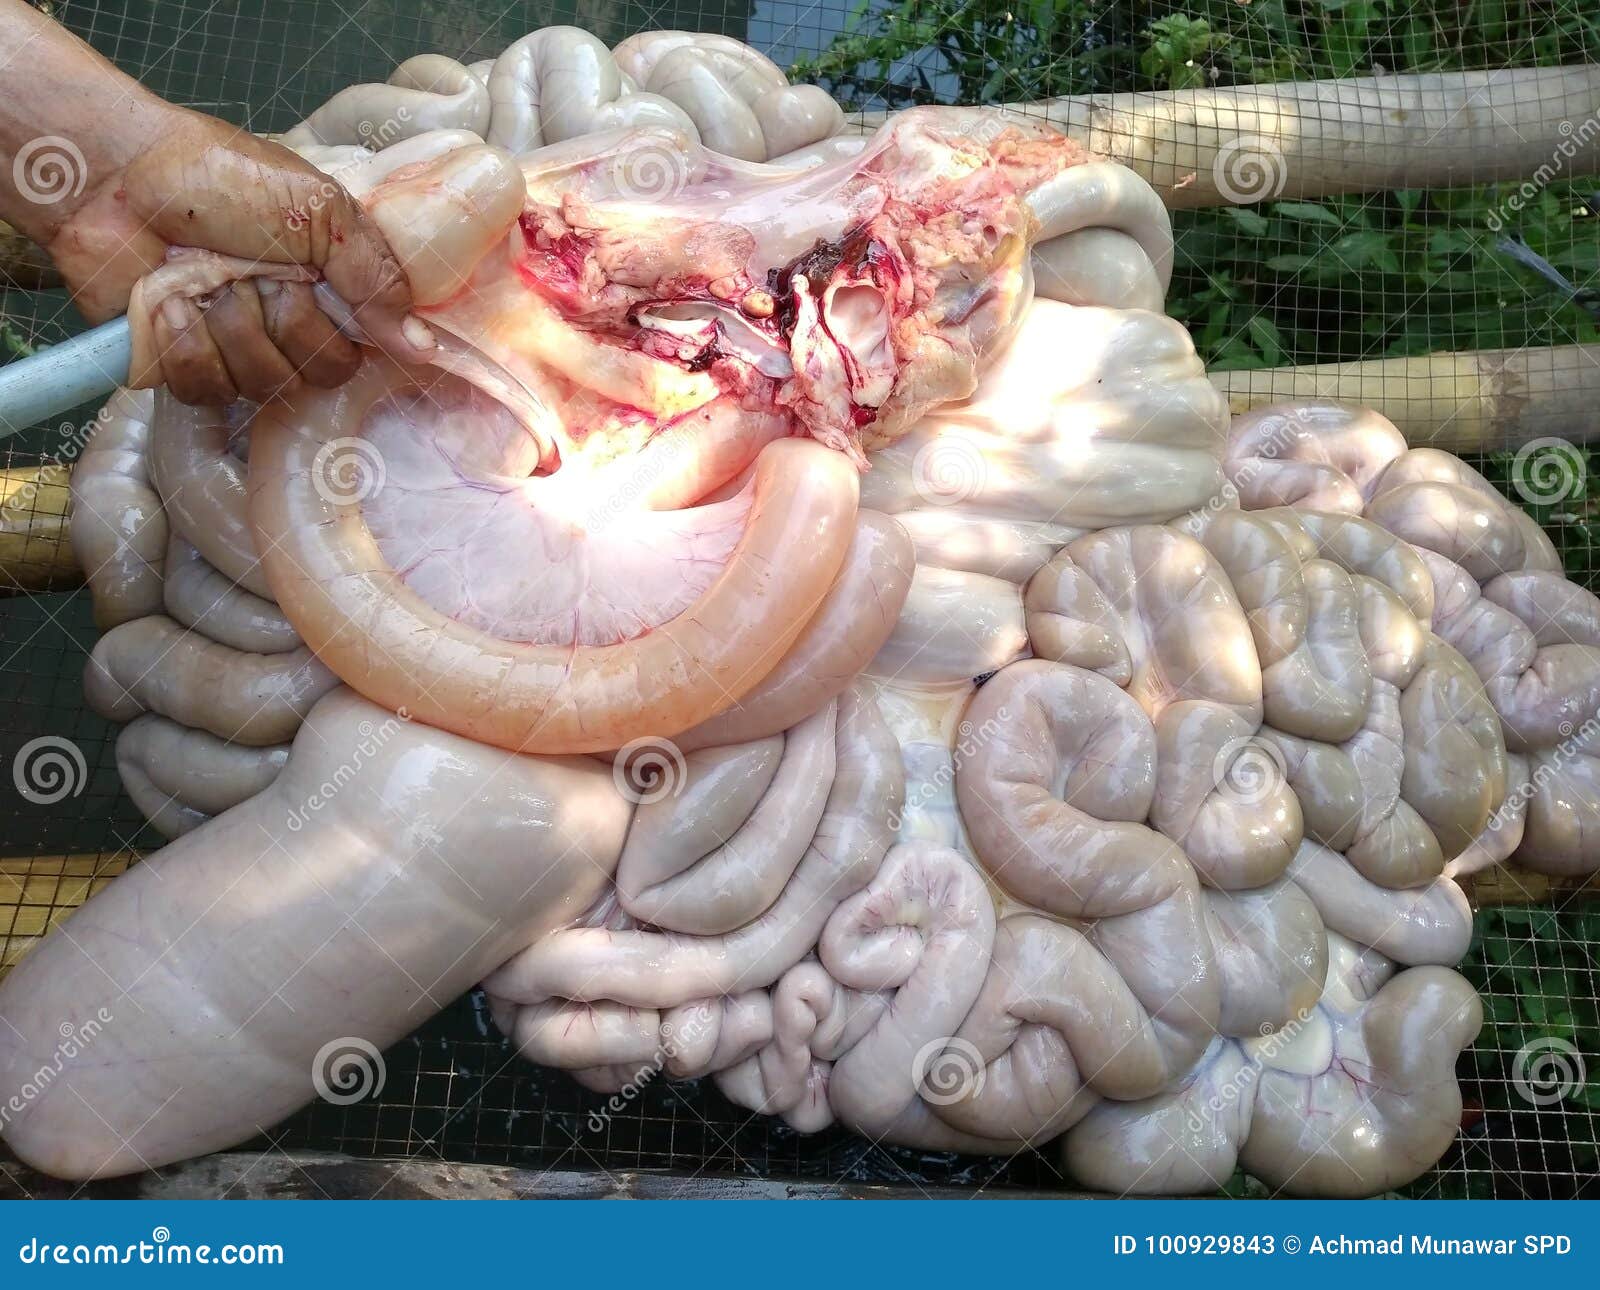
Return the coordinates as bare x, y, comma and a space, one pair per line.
1397, 273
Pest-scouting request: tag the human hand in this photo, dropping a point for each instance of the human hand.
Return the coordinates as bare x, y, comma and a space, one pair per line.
192, 181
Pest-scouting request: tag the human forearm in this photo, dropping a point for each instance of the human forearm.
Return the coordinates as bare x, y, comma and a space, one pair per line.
68, 120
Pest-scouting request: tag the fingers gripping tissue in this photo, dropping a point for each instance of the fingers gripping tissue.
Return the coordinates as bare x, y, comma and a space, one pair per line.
768, 643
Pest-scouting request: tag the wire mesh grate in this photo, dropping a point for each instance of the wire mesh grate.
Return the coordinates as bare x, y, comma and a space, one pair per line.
1392, 273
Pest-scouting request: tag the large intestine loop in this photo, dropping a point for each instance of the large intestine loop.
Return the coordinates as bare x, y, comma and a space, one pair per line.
1377, 709
1090, 418
738, 100
427, 92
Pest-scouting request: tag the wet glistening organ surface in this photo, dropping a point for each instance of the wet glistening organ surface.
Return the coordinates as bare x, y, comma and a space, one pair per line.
814, 627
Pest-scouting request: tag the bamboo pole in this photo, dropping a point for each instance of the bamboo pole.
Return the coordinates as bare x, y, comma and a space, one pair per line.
1309, 139
35, 554
1480, 401
37, 892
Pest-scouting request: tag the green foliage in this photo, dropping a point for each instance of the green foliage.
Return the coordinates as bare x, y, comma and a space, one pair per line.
1373, 276
1355, 277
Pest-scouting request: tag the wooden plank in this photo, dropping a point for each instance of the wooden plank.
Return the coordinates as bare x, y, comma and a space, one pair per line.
35, 554
89, 864
315, 1175
1511, 885
37, 892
